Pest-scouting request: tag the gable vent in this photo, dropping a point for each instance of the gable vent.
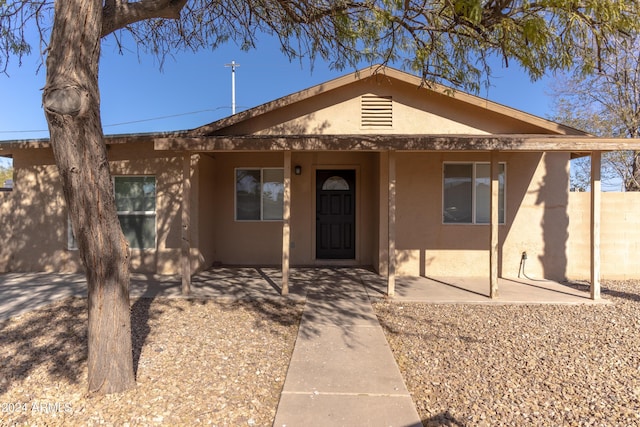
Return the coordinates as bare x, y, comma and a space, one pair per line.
376, 111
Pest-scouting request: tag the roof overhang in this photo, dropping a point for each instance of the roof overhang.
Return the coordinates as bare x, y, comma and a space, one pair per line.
378, 142
574, 144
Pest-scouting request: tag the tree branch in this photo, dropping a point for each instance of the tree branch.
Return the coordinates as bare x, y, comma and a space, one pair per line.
117, 14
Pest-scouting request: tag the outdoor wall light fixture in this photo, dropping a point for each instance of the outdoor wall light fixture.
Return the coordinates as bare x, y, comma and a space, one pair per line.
297, 169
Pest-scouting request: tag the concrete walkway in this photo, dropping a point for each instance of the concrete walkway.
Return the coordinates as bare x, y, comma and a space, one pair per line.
23, 292
342, 371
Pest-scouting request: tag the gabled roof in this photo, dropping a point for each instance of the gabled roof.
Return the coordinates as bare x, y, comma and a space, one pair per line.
380, 73
471, 123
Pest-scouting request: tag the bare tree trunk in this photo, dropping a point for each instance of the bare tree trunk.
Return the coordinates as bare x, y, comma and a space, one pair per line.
633, 184
72, 107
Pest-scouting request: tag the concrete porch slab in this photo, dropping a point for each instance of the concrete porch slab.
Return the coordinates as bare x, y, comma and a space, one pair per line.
475, 290
20, 292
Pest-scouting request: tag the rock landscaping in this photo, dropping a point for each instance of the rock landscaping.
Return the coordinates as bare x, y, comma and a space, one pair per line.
516, 365
203, 362
199, 362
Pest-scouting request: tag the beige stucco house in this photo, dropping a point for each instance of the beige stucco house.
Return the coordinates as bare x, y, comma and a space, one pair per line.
370, 169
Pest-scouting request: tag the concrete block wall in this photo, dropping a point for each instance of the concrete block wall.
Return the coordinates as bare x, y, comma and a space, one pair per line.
620, 236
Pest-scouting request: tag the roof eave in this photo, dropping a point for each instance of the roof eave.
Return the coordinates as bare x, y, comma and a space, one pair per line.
459, 143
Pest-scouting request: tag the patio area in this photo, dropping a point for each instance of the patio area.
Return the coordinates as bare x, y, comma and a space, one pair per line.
20, 292
265, 282
475, 290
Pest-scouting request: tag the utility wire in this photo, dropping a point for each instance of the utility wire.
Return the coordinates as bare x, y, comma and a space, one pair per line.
132, 121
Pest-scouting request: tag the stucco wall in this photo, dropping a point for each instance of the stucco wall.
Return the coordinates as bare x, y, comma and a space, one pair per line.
538, 207
260, 242
415, 111
542, 218
35, 222
35, 238
6, 224
620, 236
536, 213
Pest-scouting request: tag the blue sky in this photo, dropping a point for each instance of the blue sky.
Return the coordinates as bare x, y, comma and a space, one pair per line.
195, 89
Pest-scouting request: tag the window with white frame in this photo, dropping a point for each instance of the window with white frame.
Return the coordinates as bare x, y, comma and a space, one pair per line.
136, 206
467, 193
259, 194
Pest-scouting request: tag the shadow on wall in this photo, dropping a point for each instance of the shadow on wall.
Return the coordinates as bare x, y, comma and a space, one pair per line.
167, 169
537, 219
554, 196
36, 231
437, 248
35, 226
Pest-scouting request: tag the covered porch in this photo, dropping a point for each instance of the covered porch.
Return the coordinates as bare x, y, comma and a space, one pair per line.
387, 151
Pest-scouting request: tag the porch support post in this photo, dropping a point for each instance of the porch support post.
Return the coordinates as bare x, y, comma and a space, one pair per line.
186, 224
495, 221
596, 196
383, 213
391, 275
286, 221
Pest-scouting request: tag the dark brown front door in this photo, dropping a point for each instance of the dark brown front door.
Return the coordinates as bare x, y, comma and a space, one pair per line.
335, 214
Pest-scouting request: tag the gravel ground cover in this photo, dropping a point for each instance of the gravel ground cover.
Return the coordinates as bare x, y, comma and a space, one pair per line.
553, 365
199, 362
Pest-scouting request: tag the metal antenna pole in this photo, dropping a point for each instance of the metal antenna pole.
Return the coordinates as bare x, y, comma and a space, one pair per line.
233, 66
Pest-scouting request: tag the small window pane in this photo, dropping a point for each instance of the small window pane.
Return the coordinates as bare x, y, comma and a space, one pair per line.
272, 194
335, 183
483, 193
139, 230
6, 173
458, 193
135, 193
136, 205
502, 178
248, 194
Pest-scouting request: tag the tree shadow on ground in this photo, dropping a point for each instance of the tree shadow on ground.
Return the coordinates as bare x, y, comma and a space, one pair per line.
330, 289
283, 313
630, 296
140, 328
387, 311
444, 419
615, 289
146, 310
54, 336
335, 296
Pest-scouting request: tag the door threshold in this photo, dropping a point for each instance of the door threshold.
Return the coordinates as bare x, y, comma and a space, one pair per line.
337, 262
